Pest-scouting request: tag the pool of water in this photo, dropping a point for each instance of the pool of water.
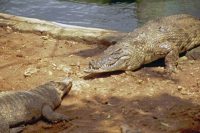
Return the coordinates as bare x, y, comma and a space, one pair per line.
121, 15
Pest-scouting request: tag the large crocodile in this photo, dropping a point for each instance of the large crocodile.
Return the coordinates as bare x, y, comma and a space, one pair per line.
164, 37
22, 107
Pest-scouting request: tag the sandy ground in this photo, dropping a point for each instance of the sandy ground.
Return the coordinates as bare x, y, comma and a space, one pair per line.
100, 103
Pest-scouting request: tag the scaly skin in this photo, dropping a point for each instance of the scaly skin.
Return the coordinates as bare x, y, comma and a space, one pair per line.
161, 38
22, 107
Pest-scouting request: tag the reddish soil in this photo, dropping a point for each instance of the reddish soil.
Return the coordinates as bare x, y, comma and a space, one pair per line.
100, 103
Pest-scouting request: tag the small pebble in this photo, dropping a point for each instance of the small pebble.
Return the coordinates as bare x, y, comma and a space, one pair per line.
180, 88
140, 81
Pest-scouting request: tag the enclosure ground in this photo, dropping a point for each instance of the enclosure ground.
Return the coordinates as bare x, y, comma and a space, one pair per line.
100, 103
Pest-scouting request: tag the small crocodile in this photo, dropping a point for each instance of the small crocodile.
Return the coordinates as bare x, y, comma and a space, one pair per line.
23, 107
164, 37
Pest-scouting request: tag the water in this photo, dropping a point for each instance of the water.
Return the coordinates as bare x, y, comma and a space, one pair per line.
107, 14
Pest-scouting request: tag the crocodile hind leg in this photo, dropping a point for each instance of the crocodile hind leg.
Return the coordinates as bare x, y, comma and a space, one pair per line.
54, 117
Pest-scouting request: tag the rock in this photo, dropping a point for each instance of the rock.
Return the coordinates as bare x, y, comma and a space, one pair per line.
193, 54
30, 71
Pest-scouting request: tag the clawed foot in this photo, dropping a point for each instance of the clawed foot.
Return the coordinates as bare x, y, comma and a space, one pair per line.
170, 68
168, 72
59, 117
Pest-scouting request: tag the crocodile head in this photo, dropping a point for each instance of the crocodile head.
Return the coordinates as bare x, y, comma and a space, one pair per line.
63, 87
116, 57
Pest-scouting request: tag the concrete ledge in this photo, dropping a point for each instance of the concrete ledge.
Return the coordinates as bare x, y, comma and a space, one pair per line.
59, 31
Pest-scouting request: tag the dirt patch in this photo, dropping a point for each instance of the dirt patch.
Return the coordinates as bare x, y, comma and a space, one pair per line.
100, 103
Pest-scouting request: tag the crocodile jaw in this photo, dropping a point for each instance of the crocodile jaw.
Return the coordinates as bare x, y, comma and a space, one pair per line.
118, 65
113, 59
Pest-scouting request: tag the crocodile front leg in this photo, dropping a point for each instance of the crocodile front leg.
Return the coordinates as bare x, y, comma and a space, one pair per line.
171, 61
54, 117
170, 53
